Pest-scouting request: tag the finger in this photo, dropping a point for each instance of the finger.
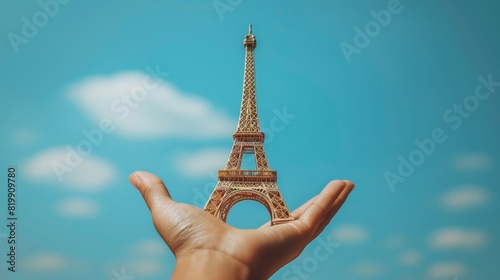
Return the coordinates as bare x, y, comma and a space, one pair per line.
153, 190
296, 213
349, 186
324, 205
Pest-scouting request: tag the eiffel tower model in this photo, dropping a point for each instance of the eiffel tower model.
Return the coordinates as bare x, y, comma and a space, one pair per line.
234, 184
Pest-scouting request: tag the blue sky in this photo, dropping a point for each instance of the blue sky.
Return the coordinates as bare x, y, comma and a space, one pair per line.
345, 90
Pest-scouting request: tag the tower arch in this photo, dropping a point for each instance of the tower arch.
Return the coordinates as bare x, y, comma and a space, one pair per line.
232, 199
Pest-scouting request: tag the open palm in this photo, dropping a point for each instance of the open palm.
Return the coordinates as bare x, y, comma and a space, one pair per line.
193, 234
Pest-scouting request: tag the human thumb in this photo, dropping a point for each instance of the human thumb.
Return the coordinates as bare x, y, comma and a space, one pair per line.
152, 189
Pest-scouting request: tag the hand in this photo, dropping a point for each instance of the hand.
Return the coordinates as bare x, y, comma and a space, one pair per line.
207, 248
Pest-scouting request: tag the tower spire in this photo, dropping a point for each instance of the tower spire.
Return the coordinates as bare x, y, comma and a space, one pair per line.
249, 121
258, 184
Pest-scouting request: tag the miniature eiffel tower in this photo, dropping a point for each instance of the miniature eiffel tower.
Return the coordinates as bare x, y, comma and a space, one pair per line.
234, 184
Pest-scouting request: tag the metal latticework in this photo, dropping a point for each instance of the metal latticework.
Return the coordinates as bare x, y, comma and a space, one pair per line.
235, 184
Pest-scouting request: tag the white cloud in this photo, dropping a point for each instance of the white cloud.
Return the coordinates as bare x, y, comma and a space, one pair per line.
141, 106
472, 162
144, 268
137, 268
202, 163
350, 234
394, 241
91, 174
445, 270
46, 262
148, 260
451, 238
410, 257
149, 247
78, 207
369, 269
464, 198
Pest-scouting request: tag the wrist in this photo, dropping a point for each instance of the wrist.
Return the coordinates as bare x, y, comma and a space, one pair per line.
210, 264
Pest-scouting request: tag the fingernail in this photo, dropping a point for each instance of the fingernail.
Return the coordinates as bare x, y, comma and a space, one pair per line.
136, 179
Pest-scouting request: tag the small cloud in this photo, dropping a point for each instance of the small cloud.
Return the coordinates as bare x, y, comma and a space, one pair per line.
455, 238
446, 270
78, 207
464, 198
89, 173
472, 162
146, 268
202, 163
45, 262
394, 241
148, 260
411, 257
136, 269
369, 269
149, 248
350, 234
142, 106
